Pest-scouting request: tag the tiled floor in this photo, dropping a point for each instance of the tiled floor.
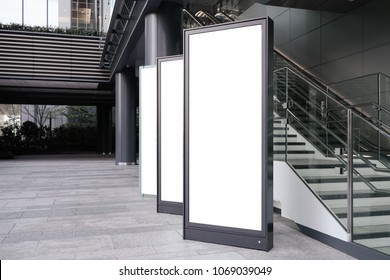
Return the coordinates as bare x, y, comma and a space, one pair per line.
85, 207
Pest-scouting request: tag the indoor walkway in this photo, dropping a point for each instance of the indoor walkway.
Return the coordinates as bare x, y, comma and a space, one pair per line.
85, 207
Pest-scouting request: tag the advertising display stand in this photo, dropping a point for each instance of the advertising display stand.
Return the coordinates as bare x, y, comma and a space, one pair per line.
148, 130
228, 188
170, 118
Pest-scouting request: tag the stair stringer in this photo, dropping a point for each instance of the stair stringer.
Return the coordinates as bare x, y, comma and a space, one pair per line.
301, 206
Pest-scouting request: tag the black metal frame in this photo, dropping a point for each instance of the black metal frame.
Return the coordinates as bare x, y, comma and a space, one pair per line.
169, 207
263, 239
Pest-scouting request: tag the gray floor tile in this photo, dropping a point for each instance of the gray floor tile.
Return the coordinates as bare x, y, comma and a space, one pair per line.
94, 243
53, 256
24, 236
55, 246
102, 255
146, 239
10, 215
186, 255
216, 256
217, 250
17, 250
57, 234
6, 227
86, 207
184, 246
23, 227
135, 253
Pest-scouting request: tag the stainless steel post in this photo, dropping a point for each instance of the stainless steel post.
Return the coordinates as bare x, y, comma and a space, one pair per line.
379, 116
286, 114
350, 175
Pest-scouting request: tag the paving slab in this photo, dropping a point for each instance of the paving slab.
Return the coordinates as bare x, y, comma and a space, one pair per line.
85, 207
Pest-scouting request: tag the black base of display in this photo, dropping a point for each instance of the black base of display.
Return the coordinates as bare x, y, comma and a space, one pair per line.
238, 240
175, 208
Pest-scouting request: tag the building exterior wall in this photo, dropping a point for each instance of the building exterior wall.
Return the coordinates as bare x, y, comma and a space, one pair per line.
80, 14
333, 46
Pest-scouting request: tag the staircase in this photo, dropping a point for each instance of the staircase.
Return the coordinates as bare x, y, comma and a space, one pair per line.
312, 130
315, 145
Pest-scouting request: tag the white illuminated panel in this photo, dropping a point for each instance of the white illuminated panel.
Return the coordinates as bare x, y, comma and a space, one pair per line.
148, 129
172, 98
225, 128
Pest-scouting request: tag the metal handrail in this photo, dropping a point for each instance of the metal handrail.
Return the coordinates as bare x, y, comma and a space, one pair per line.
375, 105
352, 79
292, 64
360, 77
345, 107
208, 15
352, 173
313, 85
345, 163
193, 17
378, 129
230, 19
360, 156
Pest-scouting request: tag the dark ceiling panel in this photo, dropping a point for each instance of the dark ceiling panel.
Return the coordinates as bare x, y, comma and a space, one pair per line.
339, 6
204, 2
304, 4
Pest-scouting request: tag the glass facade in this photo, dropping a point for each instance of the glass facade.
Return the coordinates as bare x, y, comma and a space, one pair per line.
11, 11
80, 14
35, 12
9, 115
84, 14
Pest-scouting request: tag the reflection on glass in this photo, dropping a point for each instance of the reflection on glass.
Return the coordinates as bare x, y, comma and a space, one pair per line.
35, 12
53, 11
63, 13
11, 11
80, 14
85, 14
371, 191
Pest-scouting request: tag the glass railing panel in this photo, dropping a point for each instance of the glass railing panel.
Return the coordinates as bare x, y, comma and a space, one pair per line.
315, 143
280, 137
384, 150
233, 8
279, 95
190, 21
205, 18
384, 95
371, 194
372, 143
321, 167
359, 93
279, 103
222, 17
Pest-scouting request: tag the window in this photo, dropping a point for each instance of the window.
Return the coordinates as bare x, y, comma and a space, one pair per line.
35, 12
11, 11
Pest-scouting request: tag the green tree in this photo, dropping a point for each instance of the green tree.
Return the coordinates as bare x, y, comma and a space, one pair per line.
81, 116
43, 114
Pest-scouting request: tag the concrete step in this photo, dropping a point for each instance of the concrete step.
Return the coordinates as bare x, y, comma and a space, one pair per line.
281, 146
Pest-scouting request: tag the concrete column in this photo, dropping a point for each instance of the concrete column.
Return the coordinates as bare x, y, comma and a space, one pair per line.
125, 114
163, 32
104, 127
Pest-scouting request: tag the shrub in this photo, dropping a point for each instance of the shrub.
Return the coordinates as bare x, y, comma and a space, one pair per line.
55, 30
30, 139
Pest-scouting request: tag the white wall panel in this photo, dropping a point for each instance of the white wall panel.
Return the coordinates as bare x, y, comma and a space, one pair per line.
300, 205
